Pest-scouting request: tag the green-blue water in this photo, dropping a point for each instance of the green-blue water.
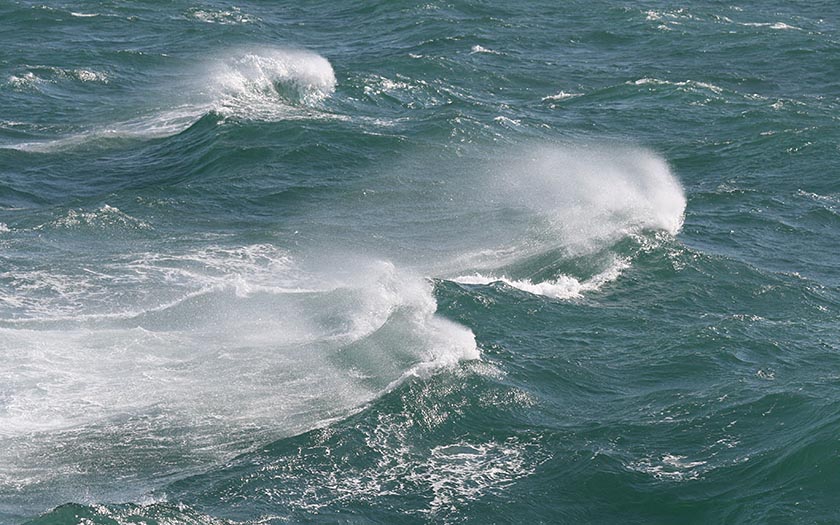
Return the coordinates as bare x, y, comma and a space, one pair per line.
392, 262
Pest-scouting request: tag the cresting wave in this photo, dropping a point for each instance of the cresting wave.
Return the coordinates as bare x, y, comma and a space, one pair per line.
264, 84
549, 219
555, 207
595, 194
255, 348
232, 347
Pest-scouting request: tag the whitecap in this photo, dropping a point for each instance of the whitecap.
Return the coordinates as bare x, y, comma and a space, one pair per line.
685, 85
253, 347
479, 49
772, 25
671, 467
562, 95
88, 75
234, 15
267, 84
25, 81
507, 121
561, 287
104, 217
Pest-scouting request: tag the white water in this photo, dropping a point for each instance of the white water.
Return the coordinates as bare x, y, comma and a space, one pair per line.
254, 348
561, 287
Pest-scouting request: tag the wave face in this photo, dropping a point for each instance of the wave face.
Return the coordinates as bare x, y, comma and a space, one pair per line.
458, 262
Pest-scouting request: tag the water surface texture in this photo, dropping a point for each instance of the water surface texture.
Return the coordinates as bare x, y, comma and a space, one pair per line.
398, 262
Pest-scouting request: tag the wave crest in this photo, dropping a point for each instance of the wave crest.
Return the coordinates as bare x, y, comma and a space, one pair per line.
593, 195
258, 84
262, 84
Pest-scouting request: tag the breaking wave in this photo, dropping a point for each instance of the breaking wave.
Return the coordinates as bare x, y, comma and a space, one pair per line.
255, 347
265, 84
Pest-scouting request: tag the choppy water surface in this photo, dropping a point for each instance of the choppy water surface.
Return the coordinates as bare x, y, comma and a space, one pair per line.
404, 263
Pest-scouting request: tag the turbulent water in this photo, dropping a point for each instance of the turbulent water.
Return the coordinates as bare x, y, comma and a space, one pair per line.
392, 262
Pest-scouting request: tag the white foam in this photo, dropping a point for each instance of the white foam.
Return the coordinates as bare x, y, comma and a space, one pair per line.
832, 198
104, 217
666, 19
234, 15
25, 81
454, 473
671, 467
685, 85
562, 287
772, 25
377, 85
252, 348
479, 49
87, 75
561, 96
266, 84
507, 121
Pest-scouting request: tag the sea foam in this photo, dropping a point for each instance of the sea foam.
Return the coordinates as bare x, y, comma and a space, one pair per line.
561, 287
263, 84
256, 347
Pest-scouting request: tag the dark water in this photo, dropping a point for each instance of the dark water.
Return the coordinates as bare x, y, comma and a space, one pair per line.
401, 263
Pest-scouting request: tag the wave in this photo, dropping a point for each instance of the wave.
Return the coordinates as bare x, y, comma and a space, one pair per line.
538, 214
205, 353
263, 84
551, 219
103, 218
259, 349
592, 195
234, 15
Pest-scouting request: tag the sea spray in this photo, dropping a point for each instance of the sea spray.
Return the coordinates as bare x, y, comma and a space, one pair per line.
592, 194
260, 84
517, 212
261, 348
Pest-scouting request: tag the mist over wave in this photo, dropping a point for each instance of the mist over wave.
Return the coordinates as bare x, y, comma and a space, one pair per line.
523, 213
581, 201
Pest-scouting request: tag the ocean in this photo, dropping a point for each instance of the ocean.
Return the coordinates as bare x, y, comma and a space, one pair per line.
458, 261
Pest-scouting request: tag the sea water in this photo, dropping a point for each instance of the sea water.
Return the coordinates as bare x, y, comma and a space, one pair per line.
397, 262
